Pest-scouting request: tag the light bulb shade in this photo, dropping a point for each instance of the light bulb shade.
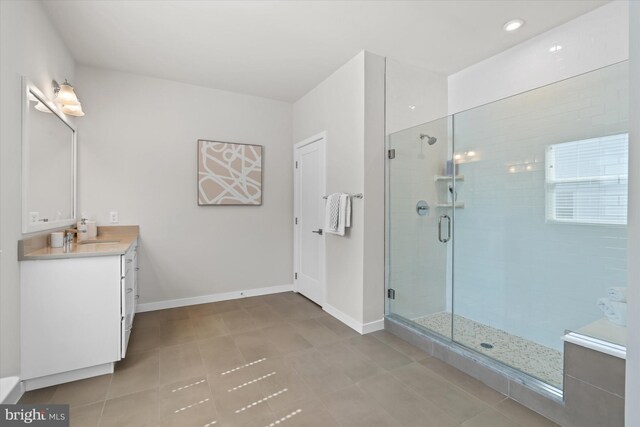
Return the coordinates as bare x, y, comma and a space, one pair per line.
41, 107
73, 110
66, 95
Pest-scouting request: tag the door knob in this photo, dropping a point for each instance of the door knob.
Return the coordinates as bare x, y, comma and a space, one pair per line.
318, 231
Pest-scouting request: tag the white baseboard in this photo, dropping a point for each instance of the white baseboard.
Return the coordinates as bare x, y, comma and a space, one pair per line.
204, 299
376, 325
65, 377
11, 390
361, 328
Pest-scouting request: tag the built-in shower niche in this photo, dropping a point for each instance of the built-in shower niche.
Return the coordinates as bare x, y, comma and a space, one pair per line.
539, 233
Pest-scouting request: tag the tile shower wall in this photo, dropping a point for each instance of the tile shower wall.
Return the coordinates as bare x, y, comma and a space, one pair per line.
417, 260
513, 270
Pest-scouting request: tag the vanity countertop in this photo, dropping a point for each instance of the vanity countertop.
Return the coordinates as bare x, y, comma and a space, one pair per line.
116, 240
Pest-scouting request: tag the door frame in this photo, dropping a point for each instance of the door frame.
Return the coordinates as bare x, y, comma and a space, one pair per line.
321, 138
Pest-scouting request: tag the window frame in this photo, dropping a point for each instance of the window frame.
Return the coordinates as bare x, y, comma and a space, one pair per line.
552, 183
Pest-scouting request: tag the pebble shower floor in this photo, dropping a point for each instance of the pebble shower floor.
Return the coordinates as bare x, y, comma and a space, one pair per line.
532, 358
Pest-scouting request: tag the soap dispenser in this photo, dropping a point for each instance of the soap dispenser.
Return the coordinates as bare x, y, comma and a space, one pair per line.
82, 230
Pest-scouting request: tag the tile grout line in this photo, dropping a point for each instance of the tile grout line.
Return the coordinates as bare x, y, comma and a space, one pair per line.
463, 388
104, 403
516, 421
595, 386
160, 367
483, 403
410, 390
207, 374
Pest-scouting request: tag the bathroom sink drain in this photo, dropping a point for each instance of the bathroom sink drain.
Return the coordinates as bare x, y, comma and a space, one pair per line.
486, 345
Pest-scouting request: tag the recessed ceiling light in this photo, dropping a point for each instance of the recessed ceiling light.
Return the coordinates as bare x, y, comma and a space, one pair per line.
555, 48
513, 25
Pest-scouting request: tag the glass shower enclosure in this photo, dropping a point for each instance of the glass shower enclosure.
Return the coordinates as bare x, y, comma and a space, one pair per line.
506, 223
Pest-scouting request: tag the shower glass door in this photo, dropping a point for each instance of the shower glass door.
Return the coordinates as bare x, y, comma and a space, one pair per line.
543, 231
538, 234
420, 195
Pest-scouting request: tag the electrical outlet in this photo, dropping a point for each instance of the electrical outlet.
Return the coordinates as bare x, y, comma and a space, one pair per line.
113, 217
34, 217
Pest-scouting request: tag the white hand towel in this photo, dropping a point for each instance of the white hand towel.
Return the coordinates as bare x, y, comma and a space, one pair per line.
615, 311
617, 293
347, 215
337, 213
332, 213
344, 216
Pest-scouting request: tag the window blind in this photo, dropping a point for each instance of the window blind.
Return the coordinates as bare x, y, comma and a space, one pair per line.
587, 180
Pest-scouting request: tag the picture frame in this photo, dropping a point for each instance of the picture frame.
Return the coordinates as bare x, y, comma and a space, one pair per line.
229, 174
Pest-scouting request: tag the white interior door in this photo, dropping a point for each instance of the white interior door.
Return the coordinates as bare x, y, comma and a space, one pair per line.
309, 252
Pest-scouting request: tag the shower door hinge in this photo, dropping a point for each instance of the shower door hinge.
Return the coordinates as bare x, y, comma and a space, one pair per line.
391, 293
391, 154
295, 276
296, 220
296, 164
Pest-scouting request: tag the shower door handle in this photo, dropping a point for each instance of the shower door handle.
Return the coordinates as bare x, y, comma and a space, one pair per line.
446, 239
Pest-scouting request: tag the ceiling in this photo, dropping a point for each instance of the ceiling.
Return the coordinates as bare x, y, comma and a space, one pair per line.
282, 49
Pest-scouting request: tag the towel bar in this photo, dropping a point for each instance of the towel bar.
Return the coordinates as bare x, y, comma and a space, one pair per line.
353, 196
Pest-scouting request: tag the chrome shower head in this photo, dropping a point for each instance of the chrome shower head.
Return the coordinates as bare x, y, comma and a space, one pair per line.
430, 139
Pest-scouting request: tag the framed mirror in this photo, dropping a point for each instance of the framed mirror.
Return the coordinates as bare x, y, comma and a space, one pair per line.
48, 163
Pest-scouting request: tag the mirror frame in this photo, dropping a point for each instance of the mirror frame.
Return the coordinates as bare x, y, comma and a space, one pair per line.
28, 88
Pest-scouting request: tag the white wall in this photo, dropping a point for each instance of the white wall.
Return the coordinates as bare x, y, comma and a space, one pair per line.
414, 95
137, 155
633, 339
29, 45
344, 106
337, 106
591, 41
374, 158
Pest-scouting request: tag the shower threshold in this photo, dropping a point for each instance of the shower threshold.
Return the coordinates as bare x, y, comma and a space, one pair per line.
527, 356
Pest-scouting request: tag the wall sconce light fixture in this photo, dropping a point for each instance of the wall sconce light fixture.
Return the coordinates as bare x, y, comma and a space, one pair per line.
41, 107
73, 110
66, 96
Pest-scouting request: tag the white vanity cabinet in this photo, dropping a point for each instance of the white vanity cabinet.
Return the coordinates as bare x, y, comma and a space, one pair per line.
76, 315
128, 294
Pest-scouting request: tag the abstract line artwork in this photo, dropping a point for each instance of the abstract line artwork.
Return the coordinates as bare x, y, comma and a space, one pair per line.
229, 174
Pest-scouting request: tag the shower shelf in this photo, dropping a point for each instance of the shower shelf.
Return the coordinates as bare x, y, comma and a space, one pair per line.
448, 178
459, 205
